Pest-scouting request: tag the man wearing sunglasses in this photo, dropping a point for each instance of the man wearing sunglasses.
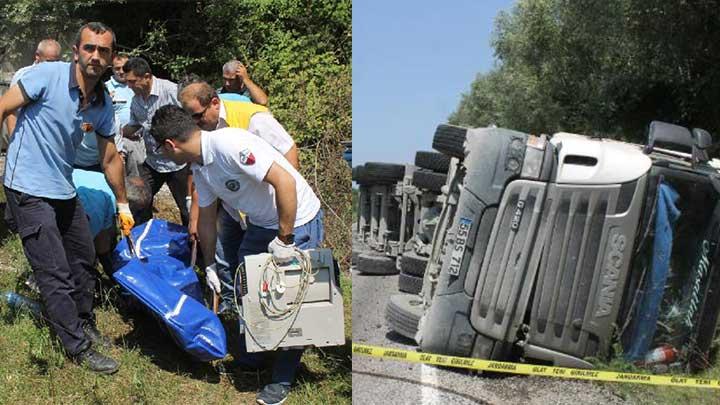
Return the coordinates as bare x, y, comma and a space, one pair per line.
210, 113
151, 93
60, 101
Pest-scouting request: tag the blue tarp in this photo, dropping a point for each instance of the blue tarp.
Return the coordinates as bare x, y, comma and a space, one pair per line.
165, 247
155, 238
648, 308
169, 288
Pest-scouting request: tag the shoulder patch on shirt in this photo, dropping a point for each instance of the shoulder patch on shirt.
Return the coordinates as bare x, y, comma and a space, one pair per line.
87, 127
246, 157
232, 185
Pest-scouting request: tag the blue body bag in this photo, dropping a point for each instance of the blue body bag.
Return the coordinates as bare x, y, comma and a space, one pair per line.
167, 285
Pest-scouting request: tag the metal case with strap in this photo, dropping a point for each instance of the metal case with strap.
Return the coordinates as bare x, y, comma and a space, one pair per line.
292, 306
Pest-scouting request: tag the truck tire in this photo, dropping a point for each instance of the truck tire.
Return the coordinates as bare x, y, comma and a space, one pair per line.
411, 263
450, 140
383, 173
410, 284
376, 264
359, 175
403, 314
428, 180
434, 161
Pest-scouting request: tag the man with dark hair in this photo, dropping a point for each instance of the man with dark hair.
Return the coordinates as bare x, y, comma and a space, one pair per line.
211, 113
151, 93
59, 102
249, 175
238, 86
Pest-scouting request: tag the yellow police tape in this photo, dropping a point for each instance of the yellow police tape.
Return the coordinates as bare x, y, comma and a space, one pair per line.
529, 369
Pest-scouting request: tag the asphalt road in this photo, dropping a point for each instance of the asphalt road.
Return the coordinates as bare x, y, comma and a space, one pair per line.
379, 381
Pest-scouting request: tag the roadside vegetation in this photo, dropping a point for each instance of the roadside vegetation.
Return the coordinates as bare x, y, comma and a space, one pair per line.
600, 68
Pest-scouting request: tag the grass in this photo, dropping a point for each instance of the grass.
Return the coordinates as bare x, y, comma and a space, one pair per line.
34, 370
650, 394
646, 394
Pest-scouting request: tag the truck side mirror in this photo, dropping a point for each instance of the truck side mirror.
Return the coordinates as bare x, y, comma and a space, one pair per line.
703, 141
668, 136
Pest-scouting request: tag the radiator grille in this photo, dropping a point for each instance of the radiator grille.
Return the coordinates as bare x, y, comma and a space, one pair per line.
546, 267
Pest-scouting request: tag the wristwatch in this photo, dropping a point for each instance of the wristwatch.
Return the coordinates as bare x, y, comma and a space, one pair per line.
288, 239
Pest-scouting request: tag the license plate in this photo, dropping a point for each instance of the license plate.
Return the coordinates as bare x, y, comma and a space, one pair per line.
458, 252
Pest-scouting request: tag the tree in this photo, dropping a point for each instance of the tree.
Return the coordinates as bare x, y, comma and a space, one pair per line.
23, 23
605, 68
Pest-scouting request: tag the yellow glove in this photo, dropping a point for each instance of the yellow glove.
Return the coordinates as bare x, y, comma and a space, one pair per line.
126, 218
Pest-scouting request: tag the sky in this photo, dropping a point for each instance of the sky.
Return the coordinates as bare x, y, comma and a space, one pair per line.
412, 60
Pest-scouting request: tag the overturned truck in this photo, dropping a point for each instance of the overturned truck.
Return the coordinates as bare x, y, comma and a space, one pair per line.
553, 249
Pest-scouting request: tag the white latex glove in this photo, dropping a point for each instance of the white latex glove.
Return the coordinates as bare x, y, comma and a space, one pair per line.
188, 203
282, 254
212, 279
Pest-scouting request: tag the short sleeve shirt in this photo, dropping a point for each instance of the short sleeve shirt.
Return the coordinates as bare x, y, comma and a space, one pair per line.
234, 166
235, 97
122, 97
163, 92
50, 127
19, 73
264, 125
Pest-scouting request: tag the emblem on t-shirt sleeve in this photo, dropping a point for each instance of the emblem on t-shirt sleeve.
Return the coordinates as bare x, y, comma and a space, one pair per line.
87, 127
246, 157
232, 185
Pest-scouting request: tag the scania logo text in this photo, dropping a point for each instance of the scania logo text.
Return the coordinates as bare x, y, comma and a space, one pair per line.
611, 274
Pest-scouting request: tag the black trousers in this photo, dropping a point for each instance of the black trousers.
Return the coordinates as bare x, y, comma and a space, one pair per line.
59, 246
177, 183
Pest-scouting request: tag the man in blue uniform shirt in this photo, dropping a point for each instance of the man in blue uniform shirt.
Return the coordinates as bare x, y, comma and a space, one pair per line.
122, 96
60, 101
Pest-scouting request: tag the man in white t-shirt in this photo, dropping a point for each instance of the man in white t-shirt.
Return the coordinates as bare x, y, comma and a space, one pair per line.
249, 175
209, 112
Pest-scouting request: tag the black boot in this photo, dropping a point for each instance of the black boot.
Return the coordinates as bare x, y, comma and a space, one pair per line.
97, 362
93, 334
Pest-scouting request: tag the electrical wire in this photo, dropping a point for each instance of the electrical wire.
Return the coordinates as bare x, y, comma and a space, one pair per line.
273, 275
